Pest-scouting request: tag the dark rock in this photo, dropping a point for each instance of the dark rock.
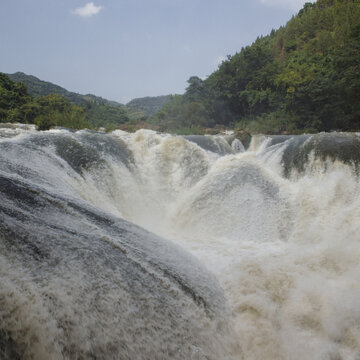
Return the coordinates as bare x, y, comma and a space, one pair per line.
244, 137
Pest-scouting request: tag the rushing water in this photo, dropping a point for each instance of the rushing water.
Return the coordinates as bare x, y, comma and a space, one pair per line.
256, 253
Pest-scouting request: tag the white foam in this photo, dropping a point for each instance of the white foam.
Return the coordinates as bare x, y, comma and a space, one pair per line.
286, 251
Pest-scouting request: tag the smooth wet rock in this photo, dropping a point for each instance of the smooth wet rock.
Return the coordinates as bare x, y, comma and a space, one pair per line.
78, 283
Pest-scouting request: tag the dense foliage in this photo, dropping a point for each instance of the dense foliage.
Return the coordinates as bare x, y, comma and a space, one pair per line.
45, 111
146, 106
303, 77
32, 100
98, 111
37, 87
102, 114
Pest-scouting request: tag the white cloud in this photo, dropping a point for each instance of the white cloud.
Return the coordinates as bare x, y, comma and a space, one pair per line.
287, 4
88, 10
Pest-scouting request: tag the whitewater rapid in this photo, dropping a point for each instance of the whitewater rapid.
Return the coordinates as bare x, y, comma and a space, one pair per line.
277, 225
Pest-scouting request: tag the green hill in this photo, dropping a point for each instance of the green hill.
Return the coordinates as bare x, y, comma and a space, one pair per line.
37, 87
147, 106
16, 105
304, 76
98, 111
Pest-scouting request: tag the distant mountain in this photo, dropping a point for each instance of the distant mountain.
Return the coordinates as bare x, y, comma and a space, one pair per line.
147, 106
17, 106
99, 112
37, 87
303, 77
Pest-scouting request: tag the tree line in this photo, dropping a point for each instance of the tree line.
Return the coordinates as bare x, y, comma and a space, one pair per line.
16, 105
304, 76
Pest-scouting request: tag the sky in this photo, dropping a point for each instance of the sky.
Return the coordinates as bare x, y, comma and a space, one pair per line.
125, 49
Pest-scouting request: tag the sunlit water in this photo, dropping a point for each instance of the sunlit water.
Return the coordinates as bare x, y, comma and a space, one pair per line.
277, 225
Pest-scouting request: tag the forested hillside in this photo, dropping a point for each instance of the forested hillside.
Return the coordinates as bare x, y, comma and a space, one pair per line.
37, 87
147, 106
16, 105
304, 76
98, 111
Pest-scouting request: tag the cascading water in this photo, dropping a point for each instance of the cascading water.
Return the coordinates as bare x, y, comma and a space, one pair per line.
276, 225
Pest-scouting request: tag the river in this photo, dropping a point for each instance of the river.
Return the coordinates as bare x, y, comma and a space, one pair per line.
155, 246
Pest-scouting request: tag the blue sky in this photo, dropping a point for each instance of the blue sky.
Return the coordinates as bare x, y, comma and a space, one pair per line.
123, 49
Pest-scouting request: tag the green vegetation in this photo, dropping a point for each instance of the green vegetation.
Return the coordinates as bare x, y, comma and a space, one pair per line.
96, 111
304, 77
102, 114
99, 112
141, 108
37, 87
44, 111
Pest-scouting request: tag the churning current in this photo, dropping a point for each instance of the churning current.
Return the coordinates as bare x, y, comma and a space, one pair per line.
154, 246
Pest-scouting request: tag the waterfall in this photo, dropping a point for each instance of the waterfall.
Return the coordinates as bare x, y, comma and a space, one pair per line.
149, 245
